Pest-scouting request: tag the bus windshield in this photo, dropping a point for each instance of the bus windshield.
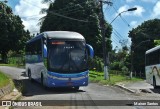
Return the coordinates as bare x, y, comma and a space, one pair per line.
67, 56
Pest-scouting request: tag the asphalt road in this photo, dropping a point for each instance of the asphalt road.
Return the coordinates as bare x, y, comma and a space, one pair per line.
34, 91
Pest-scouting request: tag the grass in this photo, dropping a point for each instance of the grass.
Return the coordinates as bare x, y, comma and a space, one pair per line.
4, 80
12, 65
98, 77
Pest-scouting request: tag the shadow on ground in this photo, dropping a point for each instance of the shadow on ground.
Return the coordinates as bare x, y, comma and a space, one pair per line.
157, 90
29, 88
24, 74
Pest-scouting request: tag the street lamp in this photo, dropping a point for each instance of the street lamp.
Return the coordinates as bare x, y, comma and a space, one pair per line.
131, 9
104, 42
132, 54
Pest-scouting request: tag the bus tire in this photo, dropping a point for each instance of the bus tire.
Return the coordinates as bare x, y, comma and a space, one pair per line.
154, 82
29, 76
76, 88
42, 80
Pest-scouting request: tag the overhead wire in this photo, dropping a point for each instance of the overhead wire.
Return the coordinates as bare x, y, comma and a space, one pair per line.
115, 40
68, 17
124, 20
156, 2
57, 14
119, 35
60, 15
73, 6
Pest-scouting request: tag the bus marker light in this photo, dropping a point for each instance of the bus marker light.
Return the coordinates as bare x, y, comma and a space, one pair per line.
56, 43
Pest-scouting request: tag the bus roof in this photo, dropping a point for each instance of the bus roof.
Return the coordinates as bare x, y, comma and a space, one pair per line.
58, 35
63, 35
153, 49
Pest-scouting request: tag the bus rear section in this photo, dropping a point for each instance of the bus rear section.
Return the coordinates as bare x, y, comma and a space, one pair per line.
152, 66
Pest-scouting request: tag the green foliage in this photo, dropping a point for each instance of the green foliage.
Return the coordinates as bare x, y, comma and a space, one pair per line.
125, 70
18, 61
115, 66
114, 78
87, 10
13, 36
147, 30
96, 64
120, 61
116, 72
157, 42
4, 80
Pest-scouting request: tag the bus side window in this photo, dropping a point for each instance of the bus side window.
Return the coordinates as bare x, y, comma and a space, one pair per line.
39, 47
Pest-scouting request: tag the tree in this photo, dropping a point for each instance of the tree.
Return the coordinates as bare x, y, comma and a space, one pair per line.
77, 15
147, 30
120, 60
13, 36
157, 42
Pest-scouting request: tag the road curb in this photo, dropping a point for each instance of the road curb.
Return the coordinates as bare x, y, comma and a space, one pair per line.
17, 97
125, 88
13, 95
5, 90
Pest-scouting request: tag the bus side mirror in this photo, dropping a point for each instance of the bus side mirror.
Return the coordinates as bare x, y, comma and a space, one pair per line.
45, 51
90, 49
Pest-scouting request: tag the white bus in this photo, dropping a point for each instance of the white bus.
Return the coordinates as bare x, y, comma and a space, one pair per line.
152, 66
58, 59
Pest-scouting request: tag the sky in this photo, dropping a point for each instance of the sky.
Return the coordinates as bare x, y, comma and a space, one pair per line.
29, 11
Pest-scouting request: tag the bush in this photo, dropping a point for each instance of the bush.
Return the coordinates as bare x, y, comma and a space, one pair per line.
96, 64
18, 60
125, 70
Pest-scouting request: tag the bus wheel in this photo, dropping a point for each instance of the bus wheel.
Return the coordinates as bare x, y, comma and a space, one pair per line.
29, 76
154, 83
76, 88
42, 80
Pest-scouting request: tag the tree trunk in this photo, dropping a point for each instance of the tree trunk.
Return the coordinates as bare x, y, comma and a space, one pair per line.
4, 57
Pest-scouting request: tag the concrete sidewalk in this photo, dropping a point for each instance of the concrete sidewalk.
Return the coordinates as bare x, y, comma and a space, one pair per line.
14, 95
136, 87
139, 85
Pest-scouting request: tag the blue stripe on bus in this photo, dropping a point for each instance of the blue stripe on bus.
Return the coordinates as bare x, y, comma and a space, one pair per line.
68, 75
66, 83
67, 80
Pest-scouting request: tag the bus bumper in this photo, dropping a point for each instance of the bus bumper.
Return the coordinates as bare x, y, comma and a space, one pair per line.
67, 81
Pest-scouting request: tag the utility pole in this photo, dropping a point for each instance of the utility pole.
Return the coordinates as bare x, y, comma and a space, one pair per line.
102, 24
